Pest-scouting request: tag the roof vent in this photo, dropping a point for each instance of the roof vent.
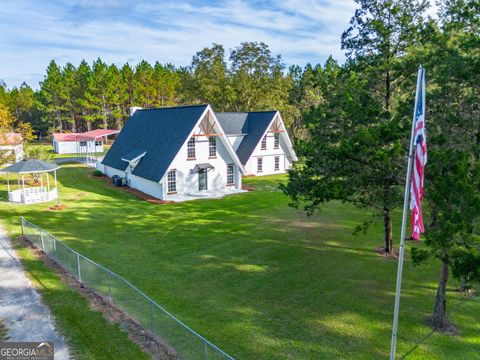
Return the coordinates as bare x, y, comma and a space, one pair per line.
133, 109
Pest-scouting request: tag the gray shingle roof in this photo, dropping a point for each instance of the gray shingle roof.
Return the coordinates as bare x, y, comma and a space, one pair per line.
30, 166
159, 132
233, 123
253, 124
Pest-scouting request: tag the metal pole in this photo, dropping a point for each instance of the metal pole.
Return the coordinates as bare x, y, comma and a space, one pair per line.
205, 351
404, 224
78, 266
54, 248
8, 184
23, 230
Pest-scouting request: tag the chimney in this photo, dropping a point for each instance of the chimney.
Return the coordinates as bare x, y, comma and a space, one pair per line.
133, 109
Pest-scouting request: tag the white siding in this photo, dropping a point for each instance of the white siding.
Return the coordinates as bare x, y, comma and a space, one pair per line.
268, 156
147, 186
73, 147
187, 178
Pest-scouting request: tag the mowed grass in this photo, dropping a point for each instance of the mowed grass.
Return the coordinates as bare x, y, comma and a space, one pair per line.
259, 279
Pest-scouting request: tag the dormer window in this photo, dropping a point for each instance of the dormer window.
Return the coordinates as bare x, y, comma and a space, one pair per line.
264, 143
191, 148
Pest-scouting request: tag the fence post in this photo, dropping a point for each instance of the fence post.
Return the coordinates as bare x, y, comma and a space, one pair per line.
41, 237
54, 248
78, 266
151, 318
110, 288
205, 351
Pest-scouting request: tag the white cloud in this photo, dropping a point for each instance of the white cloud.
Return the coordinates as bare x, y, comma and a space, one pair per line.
119, 31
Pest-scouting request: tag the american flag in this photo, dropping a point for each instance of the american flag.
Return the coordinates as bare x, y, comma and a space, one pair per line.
419, 161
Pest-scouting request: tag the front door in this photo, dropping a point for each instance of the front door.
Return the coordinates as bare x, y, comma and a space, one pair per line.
202, 179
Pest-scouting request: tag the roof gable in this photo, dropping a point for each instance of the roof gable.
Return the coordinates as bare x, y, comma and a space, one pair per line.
160, 133
253, 124
233, 123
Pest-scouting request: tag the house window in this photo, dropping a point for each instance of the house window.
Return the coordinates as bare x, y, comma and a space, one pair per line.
191, 148
83, 143
276, 143
212, 148
172, 181
277, 163
259, 164
230, 174
98, 143
264, 143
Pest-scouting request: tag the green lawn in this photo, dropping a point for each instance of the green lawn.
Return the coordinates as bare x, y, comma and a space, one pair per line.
257, 278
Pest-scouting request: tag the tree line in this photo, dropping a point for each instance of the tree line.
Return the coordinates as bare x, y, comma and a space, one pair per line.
98, 95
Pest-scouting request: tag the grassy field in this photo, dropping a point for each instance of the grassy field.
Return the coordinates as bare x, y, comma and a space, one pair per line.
257, 278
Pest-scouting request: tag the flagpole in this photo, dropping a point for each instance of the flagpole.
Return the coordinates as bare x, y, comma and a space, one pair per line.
404, 225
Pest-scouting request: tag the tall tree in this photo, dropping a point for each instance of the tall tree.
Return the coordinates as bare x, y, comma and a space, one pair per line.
69, 94
128, 80
82, 77
145, 89
52, 93
210, 82
166, 82
361, 137
96, 94
258, 82
453, 173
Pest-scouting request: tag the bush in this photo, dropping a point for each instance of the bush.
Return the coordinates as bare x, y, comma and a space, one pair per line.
97, 173
41, 152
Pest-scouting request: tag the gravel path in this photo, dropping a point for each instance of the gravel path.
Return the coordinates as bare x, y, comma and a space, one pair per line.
21, 309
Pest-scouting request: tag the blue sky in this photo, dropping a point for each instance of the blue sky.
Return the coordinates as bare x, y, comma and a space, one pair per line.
32, 32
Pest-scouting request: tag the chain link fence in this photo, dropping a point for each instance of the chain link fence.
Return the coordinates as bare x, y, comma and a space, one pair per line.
187, 343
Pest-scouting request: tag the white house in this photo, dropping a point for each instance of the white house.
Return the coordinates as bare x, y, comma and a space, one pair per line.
177, 153
260, 140
89, 142
11, 146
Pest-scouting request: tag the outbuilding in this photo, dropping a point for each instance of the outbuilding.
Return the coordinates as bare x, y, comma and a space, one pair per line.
82, 144
11, 146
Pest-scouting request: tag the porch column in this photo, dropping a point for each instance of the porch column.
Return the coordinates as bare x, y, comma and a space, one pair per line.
8, 184
48, 183
55, 177
41, 180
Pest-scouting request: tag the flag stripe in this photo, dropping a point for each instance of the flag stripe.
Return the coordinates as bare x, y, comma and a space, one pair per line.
420, 155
